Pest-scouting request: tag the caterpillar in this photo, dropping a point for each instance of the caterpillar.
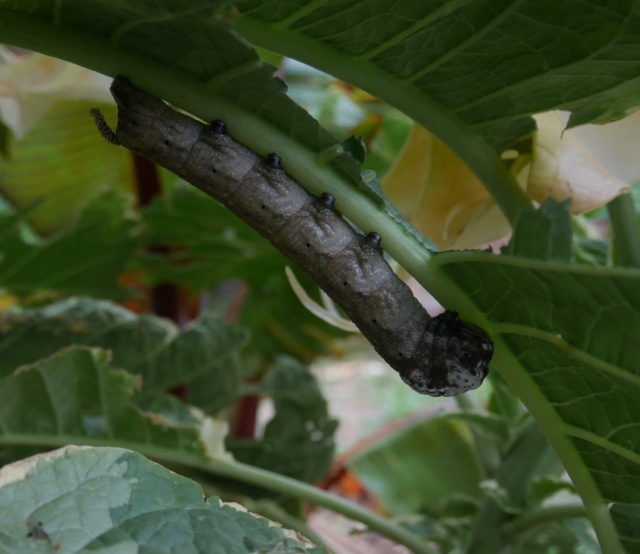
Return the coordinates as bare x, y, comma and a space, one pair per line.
439, 356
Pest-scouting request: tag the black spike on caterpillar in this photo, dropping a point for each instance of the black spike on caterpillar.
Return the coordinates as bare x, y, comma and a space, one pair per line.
441, 356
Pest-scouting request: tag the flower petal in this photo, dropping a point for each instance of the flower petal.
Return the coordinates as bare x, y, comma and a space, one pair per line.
563, 167
30, 84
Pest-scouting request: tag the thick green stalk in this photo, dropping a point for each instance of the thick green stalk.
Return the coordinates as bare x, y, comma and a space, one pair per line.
543, 516
297, 489
626, 231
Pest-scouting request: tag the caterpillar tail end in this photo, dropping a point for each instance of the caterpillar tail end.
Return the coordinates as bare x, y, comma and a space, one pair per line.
452, 359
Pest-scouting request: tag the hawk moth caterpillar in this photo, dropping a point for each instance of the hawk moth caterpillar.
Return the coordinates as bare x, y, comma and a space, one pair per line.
439, 356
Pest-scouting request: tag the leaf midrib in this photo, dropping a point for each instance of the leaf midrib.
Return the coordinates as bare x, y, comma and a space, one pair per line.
577, 353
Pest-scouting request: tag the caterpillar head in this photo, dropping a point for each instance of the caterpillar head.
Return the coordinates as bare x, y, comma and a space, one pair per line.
456, 357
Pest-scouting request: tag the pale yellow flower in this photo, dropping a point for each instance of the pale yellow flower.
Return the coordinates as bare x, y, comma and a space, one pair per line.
31, 83
591, 164
440, 195
442, 198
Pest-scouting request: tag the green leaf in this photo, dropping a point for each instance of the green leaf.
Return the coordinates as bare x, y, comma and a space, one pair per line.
301, 424
566, 342
86, 258
544, 234
471, 72
75, 397
147, 345
112, 500
420, 467
546, 486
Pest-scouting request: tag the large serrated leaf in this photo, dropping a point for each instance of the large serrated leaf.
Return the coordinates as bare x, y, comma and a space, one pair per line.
111, 500
567, 343
76, 397
471, 72
147, 345
491, 63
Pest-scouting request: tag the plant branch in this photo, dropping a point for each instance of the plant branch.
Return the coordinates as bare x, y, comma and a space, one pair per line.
303, 491
542, 516
626, 231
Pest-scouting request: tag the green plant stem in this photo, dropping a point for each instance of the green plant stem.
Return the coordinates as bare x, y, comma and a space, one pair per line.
245, 473
530, 455
486, 452
297, 489
471, 147
552, 426
626, 231
543, 516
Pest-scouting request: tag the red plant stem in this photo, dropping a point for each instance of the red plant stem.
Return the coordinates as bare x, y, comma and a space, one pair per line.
164, 297
247, 416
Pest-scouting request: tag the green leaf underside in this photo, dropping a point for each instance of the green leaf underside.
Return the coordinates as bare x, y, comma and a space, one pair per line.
147, 345
544, 234
86, 258
491, 63
572, 333
111, 500
196, 44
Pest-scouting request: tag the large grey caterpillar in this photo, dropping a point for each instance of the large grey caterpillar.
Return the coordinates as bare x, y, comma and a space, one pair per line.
441, 356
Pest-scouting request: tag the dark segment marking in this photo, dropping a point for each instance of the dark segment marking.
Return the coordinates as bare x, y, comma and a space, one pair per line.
440, 356
218, 127
374, 240
327, 200
274, 161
